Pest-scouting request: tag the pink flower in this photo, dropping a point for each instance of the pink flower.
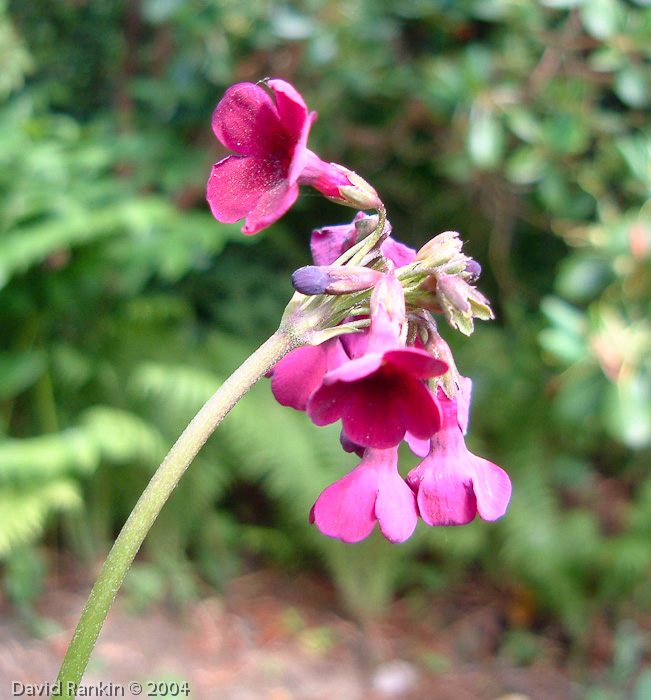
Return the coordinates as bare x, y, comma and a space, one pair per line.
373, 492
452, 485
381, 395
261, 183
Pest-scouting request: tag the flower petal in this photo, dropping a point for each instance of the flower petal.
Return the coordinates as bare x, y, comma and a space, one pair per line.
325, 405
492, 488
418, 446
372, 414
346, 509
395, 507
328, 243
291, 108
464, 397
246, 120
300, 372
419, 409
349, 446
297, 375
418, 363
443, 497
355, 369
273, 203
356, 343
399, 253
236, 185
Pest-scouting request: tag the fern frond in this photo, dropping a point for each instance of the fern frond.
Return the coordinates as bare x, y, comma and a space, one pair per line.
48, 456
178, 388
121, 436
25, 510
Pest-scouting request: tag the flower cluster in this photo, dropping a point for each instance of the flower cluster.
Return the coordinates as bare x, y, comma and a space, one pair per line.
374, 359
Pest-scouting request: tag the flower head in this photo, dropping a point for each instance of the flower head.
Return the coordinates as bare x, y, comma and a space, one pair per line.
270, 138
372, 492
451, 484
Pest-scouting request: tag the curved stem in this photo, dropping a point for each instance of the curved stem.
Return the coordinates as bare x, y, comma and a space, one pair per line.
152, 500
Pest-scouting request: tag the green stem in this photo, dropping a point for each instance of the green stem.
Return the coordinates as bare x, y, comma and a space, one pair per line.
152, 500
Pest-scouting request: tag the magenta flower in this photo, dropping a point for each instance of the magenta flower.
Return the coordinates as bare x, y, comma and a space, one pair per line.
261, 183
451, 484
372, 492
381, 395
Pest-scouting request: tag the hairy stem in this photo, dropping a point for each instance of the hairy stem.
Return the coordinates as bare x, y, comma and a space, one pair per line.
152, 500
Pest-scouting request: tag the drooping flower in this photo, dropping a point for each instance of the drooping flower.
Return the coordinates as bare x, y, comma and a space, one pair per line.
381, 395
270, 138
372, 492
451, 484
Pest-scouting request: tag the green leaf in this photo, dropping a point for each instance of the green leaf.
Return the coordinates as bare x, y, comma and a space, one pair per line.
566, 134
47, 456
633, 86
582, 278
525, 165
485, 138
627, 410
602, 18
643, 686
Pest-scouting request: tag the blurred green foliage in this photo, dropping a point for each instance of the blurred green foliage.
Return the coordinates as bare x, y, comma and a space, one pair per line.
524, 125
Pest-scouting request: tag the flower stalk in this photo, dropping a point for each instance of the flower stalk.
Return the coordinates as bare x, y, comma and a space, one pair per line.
154, 497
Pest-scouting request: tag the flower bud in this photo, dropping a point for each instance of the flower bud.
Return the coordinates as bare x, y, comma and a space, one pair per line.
334, 279
453, 290
472, 271
461, 303
451, 381
359, 194
439, 250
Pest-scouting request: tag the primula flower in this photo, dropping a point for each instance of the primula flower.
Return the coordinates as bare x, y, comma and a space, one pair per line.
380, 395
451, 484
372, 492
261, 182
